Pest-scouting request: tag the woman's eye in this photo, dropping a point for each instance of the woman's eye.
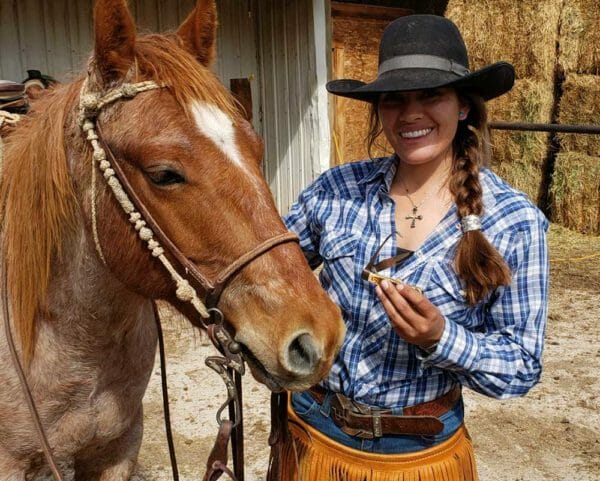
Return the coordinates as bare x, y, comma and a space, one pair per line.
431, 94
165, 177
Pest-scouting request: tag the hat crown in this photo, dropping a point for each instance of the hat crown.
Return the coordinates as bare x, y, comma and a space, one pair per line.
423, 35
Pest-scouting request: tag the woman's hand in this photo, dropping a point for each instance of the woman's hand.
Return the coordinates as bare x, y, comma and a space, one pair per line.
414, 318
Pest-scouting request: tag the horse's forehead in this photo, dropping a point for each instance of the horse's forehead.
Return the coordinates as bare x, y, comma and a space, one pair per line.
220, 128
217, 126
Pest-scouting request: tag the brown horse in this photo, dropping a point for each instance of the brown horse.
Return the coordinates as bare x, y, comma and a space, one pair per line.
80, 282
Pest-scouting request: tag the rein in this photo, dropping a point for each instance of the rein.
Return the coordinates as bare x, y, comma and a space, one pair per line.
230, 365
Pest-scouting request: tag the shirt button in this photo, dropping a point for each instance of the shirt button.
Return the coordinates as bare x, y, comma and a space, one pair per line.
419, 254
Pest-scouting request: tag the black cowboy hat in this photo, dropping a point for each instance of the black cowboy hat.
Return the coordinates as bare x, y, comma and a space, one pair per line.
421, 52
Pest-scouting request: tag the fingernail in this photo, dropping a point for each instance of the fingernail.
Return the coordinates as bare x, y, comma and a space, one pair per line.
385, 284
399, 287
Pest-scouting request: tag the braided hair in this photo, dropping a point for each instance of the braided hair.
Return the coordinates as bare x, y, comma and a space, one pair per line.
476, 262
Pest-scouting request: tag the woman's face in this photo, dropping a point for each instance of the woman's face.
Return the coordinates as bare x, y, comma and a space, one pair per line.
421, 124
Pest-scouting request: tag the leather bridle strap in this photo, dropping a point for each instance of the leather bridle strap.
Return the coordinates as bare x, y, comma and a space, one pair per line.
214, 290
23, 380
234, 268
165, 393
230, 366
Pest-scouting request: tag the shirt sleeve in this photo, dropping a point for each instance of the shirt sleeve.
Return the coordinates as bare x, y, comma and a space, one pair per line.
504, 359
301, 220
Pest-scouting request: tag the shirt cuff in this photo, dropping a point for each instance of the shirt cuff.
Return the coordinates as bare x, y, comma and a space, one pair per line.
456, 349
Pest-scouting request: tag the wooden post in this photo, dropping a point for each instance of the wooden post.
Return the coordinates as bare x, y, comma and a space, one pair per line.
241, 90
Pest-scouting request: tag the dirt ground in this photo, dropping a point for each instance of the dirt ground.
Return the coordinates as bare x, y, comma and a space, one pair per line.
552, 434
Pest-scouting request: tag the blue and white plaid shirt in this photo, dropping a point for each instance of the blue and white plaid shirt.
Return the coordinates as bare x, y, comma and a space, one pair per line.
494, 347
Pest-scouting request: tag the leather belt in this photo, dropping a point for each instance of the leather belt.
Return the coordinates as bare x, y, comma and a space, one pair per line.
366, 422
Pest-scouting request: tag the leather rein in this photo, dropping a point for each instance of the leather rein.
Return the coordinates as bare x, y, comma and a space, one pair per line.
230, 365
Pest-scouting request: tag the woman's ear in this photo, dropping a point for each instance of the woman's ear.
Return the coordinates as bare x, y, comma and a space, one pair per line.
463, 113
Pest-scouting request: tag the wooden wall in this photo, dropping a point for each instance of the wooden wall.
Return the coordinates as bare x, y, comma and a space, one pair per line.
357, 30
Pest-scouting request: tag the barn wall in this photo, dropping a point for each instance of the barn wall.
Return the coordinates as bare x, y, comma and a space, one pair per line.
292, 80
56, 37
270, 42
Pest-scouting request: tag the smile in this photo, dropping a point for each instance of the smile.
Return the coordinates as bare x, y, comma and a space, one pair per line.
415, 133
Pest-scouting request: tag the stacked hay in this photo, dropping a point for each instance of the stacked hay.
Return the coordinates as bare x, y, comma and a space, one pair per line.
580, 37
580, 104
519, 156
576, 192
575, 188
523, 33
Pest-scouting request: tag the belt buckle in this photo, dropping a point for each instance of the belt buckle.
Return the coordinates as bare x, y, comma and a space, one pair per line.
349, 406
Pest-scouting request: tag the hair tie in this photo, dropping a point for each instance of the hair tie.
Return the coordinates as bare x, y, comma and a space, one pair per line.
470, 222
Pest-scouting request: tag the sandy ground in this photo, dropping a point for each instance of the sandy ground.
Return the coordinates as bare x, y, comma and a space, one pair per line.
551, 434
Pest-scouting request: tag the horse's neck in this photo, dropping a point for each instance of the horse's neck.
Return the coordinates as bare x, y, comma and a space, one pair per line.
89, 308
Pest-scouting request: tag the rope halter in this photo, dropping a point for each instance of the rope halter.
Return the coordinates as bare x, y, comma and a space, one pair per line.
90, 106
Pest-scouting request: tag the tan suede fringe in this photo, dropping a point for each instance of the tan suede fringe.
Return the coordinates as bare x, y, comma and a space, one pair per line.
315, 457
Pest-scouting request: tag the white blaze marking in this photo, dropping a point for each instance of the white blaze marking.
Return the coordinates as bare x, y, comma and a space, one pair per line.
218, 127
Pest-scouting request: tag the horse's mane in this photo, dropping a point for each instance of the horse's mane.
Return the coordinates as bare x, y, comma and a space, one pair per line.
38, 204
163, 58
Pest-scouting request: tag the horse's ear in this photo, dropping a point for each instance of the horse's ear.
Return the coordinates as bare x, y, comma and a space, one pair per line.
199, 32
114, 32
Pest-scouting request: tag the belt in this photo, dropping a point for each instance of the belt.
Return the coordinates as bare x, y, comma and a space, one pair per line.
366, 422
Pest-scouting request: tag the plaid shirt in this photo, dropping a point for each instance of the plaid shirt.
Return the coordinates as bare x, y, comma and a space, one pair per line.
493, 347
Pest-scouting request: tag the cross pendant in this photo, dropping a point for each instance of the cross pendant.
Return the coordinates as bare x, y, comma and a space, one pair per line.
414, 217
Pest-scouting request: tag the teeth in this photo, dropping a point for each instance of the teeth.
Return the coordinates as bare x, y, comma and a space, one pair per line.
415, 133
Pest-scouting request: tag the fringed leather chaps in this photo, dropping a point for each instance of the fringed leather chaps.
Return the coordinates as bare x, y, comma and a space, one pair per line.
312, 456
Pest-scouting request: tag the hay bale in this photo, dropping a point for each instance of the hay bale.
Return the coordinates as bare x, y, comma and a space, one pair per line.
580, 37
575, 192
518, 157
580, 104
521, 32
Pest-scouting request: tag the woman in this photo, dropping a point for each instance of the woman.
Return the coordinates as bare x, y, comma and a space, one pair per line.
439, 268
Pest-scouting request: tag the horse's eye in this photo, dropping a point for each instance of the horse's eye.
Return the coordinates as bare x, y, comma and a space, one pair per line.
165, 177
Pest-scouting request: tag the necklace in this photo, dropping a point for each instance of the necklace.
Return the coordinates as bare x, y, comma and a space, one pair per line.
415, 216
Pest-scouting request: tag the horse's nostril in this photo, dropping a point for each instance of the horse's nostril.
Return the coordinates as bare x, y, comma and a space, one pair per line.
303, 354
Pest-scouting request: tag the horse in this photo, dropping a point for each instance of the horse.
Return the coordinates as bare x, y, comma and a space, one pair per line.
78, 280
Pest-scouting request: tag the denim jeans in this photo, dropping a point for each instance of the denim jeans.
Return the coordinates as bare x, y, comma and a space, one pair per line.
317, 415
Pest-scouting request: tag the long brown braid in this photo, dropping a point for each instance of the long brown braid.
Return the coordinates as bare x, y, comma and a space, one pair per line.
476, 262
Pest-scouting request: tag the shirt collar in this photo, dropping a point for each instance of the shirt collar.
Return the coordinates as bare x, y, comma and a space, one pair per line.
384, 169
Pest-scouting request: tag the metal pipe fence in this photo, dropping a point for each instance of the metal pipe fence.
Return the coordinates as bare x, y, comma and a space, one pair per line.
563, 128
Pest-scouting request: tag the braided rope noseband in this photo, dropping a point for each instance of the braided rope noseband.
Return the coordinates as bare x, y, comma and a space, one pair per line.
90, 105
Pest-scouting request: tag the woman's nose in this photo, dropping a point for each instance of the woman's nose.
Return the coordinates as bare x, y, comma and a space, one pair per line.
411, 110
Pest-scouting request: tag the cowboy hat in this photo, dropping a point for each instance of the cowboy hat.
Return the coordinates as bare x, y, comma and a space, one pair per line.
422, 52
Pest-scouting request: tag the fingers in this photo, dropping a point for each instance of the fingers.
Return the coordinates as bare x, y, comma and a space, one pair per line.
416, 299
412, 315
407, 300
396, 295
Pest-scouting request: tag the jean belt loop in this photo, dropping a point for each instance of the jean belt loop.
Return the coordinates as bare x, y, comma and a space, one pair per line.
325, 408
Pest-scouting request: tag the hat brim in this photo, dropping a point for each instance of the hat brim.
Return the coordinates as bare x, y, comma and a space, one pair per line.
489, 82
